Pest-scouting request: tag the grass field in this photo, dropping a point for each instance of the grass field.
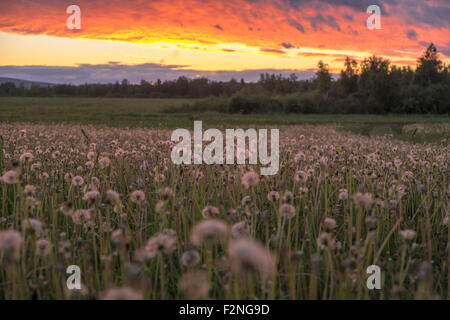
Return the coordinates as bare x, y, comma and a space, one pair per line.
110, 201
155, 113
89, 182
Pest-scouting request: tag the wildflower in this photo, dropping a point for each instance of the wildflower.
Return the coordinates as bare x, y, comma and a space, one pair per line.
287, 210
325, 240
80, 216
248, 256
26, 157
246, 200
161, 243
120, 237
91, 196
77, 181
43, 247
118, 208
95, 182
301, 176
209, 232
112, 196
299, 157
303, 190
420, 187
371, 223
190, 258
144, 165
10, 245
407, 175
160, 207
91, 156
323, 161
250, 179
106, 226
104, 162
240, 229
288, 196
364, 201
36, 166
273, 196
194, 285
33, 226
29, 190
31, 203
137, 196
119, 153
68, 177
64, 248
66, 209
88, 226
343, 194
400, 191
142, 255
10, 177
210, 211
408, 234
124, 293
90, 165
165, 193
329, 224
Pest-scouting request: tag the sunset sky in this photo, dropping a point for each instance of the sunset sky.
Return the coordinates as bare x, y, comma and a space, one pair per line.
152, 39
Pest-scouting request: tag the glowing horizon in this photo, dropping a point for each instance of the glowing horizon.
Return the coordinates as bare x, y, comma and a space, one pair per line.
214, 36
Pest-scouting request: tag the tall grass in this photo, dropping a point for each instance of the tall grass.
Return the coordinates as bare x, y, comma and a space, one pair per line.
339, 204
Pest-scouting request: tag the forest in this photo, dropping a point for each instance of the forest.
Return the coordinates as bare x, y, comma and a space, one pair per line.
374, 85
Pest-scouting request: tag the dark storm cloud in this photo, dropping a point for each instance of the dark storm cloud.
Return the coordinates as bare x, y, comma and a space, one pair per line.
359, 5
287, 45
348, 17
319, 21
297, 25
115, 71
436, 15
411, 34
445, 49
271, 50
430, 12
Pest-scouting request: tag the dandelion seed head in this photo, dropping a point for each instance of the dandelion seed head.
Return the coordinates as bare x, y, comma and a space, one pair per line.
250, 179
137, 196
249, 256
209, 232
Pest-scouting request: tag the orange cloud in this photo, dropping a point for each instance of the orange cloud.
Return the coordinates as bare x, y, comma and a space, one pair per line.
272, 27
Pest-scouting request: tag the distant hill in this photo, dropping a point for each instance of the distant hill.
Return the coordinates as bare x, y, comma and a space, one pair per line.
25, 83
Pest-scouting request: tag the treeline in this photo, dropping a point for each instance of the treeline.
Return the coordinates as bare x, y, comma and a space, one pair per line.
183, 87
373, 86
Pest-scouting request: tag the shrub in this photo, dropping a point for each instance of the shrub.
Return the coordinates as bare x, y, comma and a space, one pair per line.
254, 104
349, 104
300, 104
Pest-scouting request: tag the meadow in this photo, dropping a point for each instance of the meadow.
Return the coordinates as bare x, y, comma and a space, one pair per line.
181, 113
99, 190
